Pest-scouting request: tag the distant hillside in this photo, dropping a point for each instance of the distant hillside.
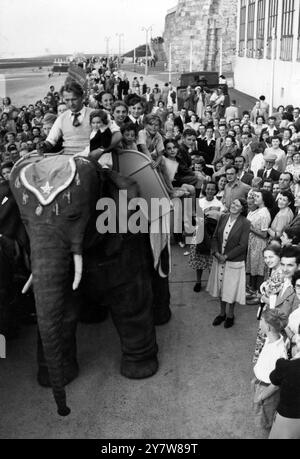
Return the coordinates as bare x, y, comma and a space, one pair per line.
140, 51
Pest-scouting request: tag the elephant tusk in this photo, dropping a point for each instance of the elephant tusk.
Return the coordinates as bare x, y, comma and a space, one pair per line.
78, 270
27, 285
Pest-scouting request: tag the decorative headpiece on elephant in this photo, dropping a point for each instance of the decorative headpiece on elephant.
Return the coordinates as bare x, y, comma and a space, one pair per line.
57, 199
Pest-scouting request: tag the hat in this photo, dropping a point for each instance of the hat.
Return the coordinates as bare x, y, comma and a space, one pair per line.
269, 156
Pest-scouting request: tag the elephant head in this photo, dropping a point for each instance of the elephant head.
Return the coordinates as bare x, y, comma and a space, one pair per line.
56, 197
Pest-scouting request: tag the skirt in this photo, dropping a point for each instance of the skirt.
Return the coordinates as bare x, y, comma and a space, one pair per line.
285, 428
198, 260
227, 281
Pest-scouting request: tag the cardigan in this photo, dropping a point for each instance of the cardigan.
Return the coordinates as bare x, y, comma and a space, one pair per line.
237, 243
287, 376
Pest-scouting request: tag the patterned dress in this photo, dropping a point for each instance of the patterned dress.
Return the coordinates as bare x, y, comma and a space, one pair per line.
260, 219
213, 210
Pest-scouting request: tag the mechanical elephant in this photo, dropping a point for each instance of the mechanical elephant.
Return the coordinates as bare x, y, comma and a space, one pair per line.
70, 260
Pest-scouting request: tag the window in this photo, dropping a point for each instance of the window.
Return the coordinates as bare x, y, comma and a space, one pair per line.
298, 52
272, 23
242, 27
250, 29
260, 28
286, 47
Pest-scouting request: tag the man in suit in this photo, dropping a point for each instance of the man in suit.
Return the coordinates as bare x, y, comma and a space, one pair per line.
206, 146
295, 224
269, 172
220, 143
181, 120
247, 153
286, 300
245, 177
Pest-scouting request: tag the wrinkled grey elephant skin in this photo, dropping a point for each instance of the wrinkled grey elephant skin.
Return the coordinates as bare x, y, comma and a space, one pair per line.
122, 279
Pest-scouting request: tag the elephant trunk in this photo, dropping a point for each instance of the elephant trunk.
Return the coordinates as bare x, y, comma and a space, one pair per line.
52, 282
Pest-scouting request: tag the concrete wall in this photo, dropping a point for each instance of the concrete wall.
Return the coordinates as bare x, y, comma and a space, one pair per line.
206, 21
253, 76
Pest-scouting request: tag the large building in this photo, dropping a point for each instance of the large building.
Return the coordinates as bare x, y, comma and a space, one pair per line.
263, 26
197, 31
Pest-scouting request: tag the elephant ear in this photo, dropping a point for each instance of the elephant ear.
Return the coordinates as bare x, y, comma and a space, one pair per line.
46, 179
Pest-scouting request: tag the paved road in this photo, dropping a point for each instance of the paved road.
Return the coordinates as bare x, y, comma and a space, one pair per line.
202, 388
244, 101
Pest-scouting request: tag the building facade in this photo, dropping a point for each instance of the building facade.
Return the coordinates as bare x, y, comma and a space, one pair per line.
268, 50
198, 30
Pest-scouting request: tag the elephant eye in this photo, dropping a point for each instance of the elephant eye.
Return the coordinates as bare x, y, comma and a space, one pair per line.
73, 217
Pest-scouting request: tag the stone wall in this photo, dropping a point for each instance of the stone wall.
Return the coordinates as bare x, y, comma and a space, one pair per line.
201, 22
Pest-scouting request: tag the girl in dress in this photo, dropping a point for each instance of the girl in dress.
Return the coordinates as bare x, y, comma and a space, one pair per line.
200, 257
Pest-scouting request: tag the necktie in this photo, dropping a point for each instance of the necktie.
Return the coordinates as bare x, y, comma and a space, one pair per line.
76, 122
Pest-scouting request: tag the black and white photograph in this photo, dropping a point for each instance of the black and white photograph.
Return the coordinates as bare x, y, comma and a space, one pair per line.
149, 222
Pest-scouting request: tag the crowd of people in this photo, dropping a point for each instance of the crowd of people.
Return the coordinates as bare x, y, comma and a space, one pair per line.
244, 170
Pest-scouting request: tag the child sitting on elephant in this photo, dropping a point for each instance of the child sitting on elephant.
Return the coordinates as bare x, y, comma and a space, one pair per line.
101, 136
150, 143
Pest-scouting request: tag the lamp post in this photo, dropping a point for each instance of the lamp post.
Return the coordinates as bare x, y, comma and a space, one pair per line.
107, 39
147, 30
191, 53
120, 35
170, 62
273, 72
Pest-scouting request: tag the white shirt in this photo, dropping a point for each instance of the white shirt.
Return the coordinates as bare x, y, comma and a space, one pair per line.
294, 321
212, 208
257, 163
267, 359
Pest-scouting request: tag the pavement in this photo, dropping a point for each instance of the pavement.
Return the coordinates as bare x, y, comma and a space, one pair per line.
243, 101
202, 388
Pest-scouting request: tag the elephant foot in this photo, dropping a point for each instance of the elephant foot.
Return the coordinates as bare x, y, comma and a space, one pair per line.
161, 316
139, 370
93, 315
65, 411
70, 373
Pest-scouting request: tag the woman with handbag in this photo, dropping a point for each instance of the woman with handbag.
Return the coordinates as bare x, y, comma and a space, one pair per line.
200, 257
227, 279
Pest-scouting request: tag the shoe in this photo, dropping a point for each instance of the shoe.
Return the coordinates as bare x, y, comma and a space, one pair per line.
229, 322
197, 287
186, 253
181, 244
218, 320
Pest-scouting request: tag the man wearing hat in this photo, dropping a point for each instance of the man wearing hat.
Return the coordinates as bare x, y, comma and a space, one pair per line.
280, 162
269, 172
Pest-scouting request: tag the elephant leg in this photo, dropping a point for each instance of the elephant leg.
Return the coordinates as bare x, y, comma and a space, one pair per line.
161, 299
69, 347
131, 311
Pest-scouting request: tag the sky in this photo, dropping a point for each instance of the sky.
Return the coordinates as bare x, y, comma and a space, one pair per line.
38, 27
